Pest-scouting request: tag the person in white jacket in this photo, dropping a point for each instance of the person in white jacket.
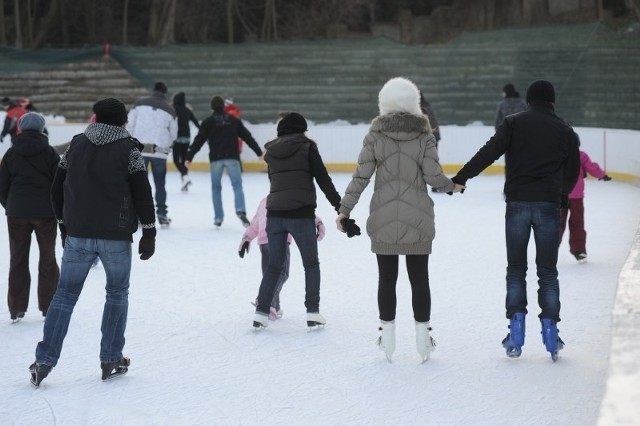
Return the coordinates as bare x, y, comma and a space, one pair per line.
152, 120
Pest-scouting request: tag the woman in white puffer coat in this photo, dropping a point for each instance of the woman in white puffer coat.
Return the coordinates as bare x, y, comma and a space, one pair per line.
400, 149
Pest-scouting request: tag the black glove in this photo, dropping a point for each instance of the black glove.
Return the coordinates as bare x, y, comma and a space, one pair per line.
605, 178
460, 181
244, 248
147, 245
63, 233
350, 227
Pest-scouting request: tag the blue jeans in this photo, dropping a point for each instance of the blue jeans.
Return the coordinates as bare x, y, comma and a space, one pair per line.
303, 231
77, 258
235, 174
159, 171
544, 218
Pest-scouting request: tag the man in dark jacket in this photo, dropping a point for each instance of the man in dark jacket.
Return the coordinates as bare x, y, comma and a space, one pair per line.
26, 175
542, 165
100, 193
222, 131
294, 162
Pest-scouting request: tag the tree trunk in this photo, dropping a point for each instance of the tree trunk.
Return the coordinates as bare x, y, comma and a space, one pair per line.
47, 24
162, 22
230, 27
16, 14
125, 21
3, 35
64, 26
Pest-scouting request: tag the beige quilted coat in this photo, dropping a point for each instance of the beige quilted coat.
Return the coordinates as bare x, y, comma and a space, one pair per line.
400, 149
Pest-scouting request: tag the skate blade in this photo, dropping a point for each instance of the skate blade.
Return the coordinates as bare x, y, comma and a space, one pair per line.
258, 326
514, 352
119, 372
315, 325
34, 383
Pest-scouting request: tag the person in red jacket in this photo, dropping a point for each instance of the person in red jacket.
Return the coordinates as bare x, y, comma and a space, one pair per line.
575, 209
230, 108
14, 111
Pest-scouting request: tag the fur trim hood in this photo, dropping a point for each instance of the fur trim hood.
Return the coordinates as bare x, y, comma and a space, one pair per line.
399, 95
401, 123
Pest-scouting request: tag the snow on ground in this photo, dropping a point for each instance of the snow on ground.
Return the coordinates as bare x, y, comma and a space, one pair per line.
197, 360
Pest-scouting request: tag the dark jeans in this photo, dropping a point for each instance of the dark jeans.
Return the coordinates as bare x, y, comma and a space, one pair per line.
577, 233
303, 231
77, 259
159, 171
418, 270
544, 219
20, 230
180, 156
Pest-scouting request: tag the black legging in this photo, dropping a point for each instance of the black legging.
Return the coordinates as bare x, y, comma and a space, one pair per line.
180, 156
418, 271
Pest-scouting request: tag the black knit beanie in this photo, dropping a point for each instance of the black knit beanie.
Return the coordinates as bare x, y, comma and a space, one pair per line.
160, 87
541, 91
292, 123
510, 91
217, 103
110, 111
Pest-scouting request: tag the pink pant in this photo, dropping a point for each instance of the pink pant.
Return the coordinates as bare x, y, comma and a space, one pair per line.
577, 233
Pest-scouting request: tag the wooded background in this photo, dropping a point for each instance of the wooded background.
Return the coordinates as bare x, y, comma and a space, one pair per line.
76, 23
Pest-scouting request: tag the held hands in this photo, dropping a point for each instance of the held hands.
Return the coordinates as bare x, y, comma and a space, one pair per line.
347, 225
459, 185
244, 248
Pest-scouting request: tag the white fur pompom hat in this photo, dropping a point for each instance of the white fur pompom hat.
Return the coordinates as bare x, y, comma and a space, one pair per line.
399, 95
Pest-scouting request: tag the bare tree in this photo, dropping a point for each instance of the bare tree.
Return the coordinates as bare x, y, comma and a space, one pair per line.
633, 5
230, 26
162, 22
269, 27
16, 14
125, 21
3, 35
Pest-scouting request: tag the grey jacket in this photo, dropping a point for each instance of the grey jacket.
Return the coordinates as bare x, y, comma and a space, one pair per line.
400, 148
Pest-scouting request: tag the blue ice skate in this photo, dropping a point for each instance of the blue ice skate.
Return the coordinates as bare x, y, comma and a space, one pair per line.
550, 337
514, 341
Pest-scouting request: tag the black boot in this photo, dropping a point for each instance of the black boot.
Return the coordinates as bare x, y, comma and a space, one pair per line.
115, 369
38, 373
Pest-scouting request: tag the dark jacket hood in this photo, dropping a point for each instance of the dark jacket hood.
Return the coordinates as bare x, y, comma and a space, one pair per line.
102, 134
30, 143
180, 99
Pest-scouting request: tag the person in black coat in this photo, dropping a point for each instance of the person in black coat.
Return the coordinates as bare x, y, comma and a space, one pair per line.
26, 175
181, 145
542, 165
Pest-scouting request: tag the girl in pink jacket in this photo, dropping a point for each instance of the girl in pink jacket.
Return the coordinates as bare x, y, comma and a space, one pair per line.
577, 233
258, 229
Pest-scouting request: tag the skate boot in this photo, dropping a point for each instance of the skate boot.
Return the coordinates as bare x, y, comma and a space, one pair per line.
217, 223
552, 342
164, 220
424, 342
38, 373
514, 341
260, 320
16, 316
111, 370
243, 218
387, 339
186, 183
315, 320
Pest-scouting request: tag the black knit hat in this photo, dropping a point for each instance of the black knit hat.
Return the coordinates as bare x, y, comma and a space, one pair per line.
541, 91
217, 103
510, 91
110, 111
292, 123
160, 87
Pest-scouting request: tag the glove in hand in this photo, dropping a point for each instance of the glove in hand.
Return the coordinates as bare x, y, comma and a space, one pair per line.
320, 230
350, 227
605, 178
147, 245
244, 248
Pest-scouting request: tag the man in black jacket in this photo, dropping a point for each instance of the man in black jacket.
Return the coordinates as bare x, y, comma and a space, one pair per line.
222, 131
100, 193
542, 165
